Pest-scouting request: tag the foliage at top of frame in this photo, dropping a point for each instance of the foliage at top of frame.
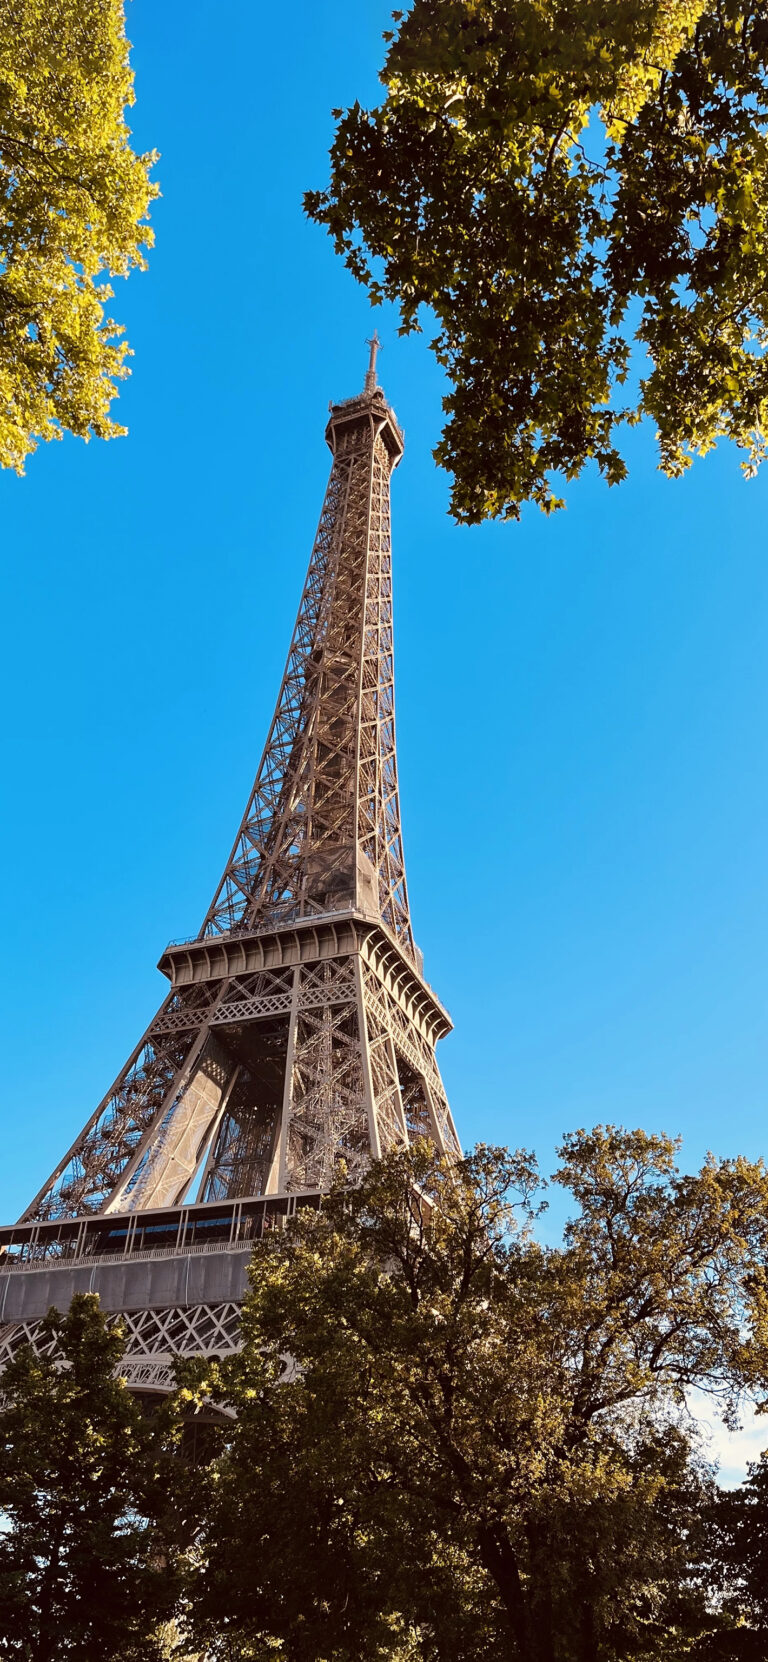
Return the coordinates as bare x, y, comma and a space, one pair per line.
578, 191
74, 199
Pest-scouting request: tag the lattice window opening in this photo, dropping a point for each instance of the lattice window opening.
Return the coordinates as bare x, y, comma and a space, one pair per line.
416, 1057
142, 1169
328, 1121
250, 996
260, 983
244, 1148
215, 1065
152, 1337
409, 1043
106, 1146
418, 1116
386, 1091
146, 1081
194, 1330
251, 1009
334, 980
14, 1336
442, 1109
186, 1005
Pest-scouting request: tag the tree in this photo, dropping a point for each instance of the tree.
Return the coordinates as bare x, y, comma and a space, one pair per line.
559, 180
738, 1569
479, 1447
86, 1567
74, 203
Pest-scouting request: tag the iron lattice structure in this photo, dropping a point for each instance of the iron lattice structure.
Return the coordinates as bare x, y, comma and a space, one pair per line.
298, 1031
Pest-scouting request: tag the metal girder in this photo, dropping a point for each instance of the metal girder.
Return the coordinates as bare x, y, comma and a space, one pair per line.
154, 1340
322, 825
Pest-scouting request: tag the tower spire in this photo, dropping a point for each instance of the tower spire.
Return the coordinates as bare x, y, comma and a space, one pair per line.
370, 374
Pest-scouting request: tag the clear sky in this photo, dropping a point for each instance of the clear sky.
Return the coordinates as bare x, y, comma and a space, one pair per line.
581, 700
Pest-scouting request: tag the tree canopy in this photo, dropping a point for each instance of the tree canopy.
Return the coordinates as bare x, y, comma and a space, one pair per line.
73, 204
442, 1440
578, 190
87, 1560
479, 1448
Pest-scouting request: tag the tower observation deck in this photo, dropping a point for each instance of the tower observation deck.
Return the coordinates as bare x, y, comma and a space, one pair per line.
298, 1031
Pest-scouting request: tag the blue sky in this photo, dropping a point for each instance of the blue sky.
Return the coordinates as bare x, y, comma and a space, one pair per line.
581, 700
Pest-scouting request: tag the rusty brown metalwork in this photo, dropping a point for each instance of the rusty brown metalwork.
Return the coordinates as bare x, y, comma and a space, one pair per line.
298, 1033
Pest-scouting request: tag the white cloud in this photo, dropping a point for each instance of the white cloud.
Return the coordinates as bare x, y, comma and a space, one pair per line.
732, 1450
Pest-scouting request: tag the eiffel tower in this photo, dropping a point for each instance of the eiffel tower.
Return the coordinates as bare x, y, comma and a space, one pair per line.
298, 1034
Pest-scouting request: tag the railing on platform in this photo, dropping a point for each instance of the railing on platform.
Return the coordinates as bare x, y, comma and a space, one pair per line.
216, 1226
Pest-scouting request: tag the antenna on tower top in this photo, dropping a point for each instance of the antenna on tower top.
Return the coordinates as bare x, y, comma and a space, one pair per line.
370, 376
